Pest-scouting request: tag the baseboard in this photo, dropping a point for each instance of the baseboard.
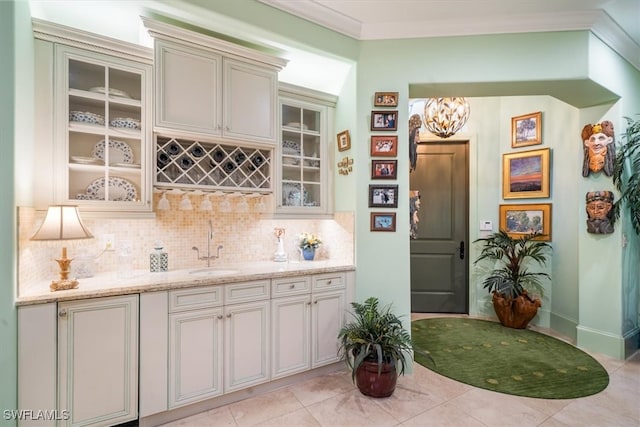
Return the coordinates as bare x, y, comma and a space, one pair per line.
564, 326
631, 342
601, 342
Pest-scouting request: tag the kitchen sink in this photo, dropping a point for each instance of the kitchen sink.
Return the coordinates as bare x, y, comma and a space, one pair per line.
213, 271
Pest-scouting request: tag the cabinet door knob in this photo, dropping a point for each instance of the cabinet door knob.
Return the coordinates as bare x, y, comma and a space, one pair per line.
309, 303
219, 316
62, 312
228, 315
315, 302
329, 282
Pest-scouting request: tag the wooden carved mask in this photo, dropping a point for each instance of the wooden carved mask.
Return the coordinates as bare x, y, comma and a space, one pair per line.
599, 150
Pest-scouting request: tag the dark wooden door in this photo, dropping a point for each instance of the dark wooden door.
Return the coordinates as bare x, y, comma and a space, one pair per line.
439, 264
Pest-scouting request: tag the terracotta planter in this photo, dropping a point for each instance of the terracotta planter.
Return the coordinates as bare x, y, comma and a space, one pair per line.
515, 312
374, 385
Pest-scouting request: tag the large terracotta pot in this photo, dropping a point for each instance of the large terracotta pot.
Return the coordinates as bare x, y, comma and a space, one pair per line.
515, 312
374, 385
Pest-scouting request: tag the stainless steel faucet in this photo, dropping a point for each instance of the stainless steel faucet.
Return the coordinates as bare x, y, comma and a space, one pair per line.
209, 257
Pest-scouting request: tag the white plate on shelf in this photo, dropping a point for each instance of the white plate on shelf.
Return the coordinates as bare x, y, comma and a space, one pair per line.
112, 91
120, 189
126, 165
119, 151
296, 125
125, 123
86, 117
85, 160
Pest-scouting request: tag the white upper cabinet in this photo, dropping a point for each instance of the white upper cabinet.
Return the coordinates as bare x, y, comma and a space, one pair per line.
206, 87
97, 150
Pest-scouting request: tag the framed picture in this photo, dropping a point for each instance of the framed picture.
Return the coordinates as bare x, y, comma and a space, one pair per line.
385, 99
383, 221
518, 220
525, 174
384, 169
344, 140
384, 146
525, 130
383, 196
384, 120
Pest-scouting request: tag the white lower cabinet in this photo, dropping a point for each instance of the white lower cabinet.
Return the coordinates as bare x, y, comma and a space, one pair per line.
306, 320
195, 360
98, 360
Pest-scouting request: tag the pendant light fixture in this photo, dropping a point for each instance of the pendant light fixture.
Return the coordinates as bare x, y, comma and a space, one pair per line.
445, 116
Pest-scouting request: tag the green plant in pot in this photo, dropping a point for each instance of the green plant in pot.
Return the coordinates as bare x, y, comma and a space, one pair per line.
626, 173
375, 346
516, 290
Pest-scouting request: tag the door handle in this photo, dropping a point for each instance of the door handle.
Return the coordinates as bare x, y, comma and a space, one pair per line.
462, 249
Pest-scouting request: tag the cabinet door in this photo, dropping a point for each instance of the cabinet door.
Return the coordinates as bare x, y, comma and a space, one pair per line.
303, 178
103, 144
291, 343
195, 356
188, 88
246, 345
250, 101
98, 360
327, 318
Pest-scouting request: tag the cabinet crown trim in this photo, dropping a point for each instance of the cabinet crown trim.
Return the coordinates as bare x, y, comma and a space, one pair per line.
172, 33
57, 33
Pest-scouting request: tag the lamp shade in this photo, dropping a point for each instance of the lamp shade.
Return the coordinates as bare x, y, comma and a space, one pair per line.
62, 223
445, 116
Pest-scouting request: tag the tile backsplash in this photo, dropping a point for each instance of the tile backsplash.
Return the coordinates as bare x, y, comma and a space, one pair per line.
244, 236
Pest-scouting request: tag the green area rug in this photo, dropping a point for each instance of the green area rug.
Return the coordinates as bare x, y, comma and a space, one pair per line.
514, 361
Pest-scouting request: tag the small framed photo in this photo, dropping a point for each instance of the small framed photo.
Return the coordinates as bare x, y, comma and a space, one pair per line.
383, 221
384, 169
344, 140
383, 196
519, 220
525, 174
526, 130
384, 120
384, 146
385, 99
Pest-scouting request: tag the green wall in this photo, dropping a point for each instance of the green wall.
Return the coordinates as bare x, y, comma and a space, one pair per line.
8, 322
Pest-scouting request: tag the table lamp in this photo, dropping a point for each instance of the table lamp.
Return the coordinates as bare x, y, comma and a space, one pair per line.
62, 223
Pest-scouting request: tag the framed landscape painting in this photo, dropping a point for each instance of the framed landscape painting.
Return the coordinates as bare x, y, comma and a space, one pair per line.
526, 130
525, 174
383, 221
519, 220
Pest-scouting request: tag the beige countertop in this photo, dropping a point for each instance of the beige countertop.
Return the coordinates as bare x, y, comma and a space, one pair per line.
139, 281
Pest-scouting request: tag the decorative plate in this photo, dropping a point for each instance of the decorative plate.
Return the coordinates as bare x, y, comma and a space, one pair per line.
120, 189
119, 152
112, 91
125, 122
291, 194
86, 117
291, 148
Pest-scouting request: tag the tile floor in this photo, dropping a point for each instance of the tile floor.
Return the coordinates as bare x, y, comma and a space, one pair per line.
425, 398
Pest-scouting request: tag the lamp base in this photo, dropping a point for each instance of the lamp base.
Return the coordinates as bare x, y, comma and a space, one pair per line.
62, 285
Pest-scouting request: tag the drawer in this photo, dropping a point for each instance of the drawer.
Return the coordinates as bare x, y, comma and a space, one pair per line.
290, 286
194, 298
327, 282
247, 291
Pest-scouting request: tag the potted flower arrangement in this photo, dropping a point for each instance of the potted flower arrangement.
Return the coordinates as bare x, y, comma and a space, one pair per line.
309, 242
376, 347
510, 282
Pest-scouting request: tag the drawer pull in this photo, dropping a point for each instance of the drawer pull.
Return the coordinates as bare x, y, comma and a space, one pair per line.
329, 282
292, 286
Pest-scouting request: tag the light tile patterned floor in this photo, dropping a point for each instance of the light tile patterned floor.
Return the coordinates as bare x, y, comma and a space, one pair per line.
425, 398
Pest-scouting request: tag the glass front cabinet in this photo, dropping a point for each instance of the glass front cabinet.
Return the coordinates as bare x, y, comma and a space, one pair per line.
103, 131
304, 174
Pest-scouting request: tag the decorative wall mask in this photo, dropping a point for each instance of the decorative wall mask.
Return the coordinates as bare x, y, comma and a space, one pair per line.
414, 207
599, 212
599, 149
415, 122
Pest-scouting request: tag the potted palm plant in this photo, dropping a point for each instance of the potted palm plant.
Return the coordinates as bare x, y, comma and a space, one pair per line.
375, 347
510, 281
